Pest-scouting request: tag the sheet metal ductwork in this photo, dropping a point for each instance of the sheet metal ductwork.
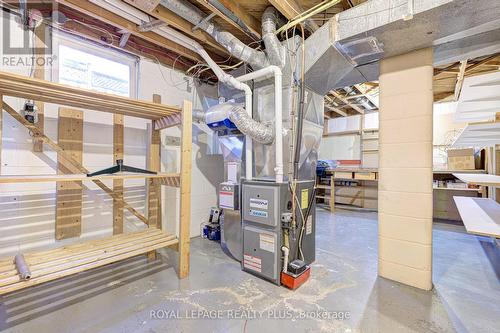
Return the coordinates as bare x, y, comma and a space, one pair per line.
257, 59
274, 50
346, 50
274, 53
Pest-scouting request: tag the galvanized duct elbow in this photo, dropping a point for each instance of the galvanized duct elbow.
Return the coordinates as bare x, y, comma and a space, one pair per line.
274, 50
257, 59
257, 131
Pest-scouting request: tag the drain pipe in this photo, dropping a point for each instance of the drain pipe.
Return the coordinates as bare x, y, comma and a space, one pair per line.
278, 105
224, 78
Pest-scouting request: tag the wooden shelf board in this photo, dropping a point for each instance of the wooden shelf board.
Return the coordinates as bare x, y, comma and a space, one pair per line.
479, 179
457, 189
81, 177
437, 171
68, 260
481, 216
50, 92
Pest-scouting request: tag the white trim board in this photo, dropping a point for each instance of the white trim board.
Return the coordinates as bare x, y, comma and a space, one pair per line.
479, 179
481, 216
479, 99
478, 135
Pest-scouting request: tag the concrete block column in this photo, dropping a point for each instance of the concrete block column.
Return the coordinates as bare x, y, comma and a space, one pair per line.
405, 169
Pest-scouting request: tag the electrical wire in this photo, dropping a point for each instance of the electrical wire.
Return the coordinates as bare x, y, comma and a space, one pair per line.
307, 14
95, 28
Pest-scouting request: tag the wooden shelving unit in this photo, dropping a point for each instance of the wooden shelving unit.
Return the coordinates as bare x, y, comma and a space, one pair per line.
53, 264
362, 196
444, 207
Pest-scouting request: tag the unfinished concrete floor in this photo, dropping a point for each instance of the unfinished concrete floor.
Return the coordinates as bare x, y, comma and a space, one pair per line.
120, 298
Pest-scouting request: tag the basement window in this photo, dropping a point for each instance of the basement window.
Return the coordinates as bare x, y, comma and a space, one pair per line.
89, 66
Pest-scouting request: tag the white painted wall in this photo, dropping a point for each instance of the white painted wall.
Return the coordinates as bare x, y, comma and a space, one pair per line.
27, 219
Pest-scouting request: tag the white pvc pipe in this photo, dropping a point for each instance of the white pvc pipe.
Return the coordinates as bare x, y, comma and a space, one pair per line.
278, 105
286, 251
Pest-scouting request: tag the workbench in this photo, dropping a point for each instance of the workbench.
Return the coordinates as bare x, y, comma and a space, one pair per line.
349, 188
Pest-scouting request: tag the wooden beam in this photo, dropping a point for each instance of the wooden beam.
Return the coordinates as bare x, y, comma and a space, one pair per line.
69, 193
497, 161
50, 92
174, 20
121, 23
366, 93
153, 187
144, 5
75, 165
185, 208
1, 131
81, 177
480, 63
460, 79
39, 73
233, 6
290, 9
346, 101
333, 108
154, 164
118, 183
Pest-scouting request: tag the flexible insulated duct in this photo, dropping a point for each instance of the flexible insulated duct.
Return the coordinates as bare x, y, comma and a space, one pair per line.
258, 131
257, 59
274, 50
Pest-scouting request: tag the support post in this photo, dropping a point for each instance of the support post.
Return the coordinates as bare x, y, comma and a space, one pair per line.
405, 153
153, 188
1, 131
332, 194
118, 183
69, 194
39, 73
185, 214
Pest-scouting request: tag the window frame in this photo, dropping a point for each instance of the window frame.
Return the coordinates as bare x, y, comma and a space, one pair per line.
97, 50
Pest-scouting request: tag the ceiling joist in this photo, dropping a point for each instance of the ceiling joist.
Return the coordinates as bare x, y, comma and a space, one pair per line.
121, 23
232, 13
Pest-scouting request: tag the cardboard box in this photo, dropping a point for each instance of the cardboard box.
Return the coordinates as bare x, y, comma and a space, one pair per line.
461, 159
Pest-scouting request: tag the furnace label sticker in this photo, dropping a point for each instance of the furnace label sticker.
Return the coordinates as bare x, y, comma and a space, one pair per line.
226, 199
253, 263
304, 199
257, 213
309, 225
266, 242
259, 203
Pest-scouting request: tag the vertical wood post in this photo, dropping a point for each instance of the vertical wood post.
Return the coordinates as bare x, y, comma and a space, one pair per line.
1, 130
332, 194
185, 214
118, 183
497, 161
153, 188
69, 194
39, 73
